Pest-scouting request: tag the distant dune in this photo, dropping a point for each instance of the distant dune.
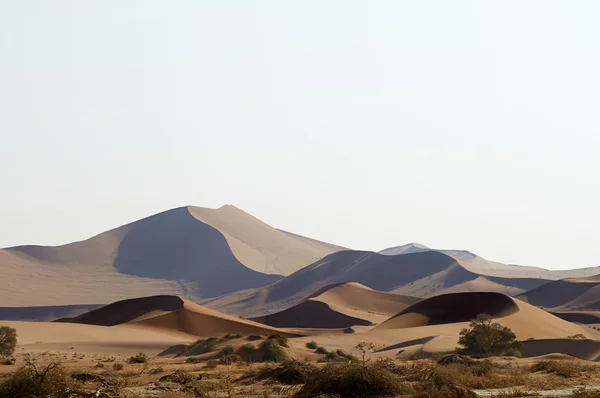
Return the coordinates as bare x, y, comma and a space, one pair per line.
420, 274
340, 306
573, 294
494, 268
189, 251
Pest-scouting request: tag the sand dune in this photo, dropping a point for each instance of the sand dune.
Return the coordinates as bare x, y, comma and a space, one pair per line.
494, 268
45, 313
190, 252
566, 295
170, 313
420, 274
340, 306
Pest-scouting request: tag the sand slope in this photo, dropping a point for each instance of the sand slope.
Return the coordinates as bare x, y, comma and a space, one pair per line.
169, 313
566, 295
340, 306
188, 251
420, 274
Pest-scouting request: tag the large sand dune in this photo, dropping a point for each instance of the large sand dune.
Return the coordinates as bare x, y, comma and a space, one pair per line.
170, 313
566, 295
340, 306
189, 251
421, 274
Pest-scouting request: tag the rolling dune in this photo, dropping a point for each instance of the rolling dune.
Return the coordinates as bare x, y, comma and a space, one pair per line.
574, 294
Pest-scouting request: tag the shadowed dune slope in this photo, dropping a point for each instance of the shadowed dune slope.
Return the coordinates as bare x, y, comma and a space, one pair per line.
340, 306
189, 251
452, 308
496, 269
169, 313
566, 295
420, 274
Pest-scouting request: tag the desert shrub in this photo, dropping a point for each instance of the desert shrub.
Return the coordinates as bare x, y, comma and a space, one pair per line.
9, 361
322, 350
230, 337
156, 371
364, 347
179, 376
561, 368
353, 380
253, 338
331, 356
211, 364
29, 381
193, 360
272, 351
140, 357
312, 345
289, 372
8, 341
100, 365
282, 340
247, 349
345, 355
227, 350
484, 337
512, 352
230, 359
117, 366
577, 336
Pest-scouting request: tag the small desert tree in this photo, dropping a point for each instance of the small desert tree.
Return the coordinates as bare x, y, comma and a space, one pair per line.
8, 341
364, 347
485, 337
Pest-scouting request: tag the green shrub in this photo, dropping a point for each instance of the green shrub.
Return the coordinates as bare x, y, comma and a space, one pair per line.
272, 352
282, 340
484, 337
321, 350
227, 350
8, 341
247, 349
312, 345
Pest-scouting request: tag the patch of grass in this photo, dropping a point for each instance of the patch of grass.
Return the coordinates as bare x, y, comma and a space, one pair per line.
282, 340
117, 366
253, 338
193, 360
289, 372
272, 351
211, 364
312, 345
577, 336
230, 359
227, 350
229, 336
322, 350
562, 368
247, 349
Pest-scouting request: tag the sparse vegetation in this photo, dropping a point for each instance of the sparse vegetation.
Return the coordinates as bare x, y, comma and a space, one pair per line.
247, 349
193, 360
272, 351
486, 338
211, 364
322, 350
31, 381
230, 359
8, 342
281, 340
227, 350
312, 345
364, 347
117, 366
289, 372
577, 336
562, 368
138, 358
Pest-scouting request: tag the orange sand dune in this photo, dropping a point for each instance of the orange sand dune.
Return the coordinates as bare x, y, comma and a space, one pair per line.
340, 306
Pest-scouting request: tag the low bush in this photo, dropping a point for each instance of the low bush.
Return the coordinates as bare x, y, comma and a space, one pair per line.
117, 366
193, 360
562, 368
312, 345
211, 364
282, 340
289, 372
247, 349
230, 359
272, 351
29, 381
138, 358
322, 350
227, 350
577, 336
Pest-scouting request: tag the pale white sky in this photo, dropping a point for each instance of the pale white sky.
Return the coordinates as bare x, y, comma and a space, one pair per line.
462, 124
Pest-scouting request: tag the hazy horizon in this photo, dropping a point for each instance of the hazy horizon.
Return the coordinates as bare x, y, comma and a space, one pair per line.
463, 125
